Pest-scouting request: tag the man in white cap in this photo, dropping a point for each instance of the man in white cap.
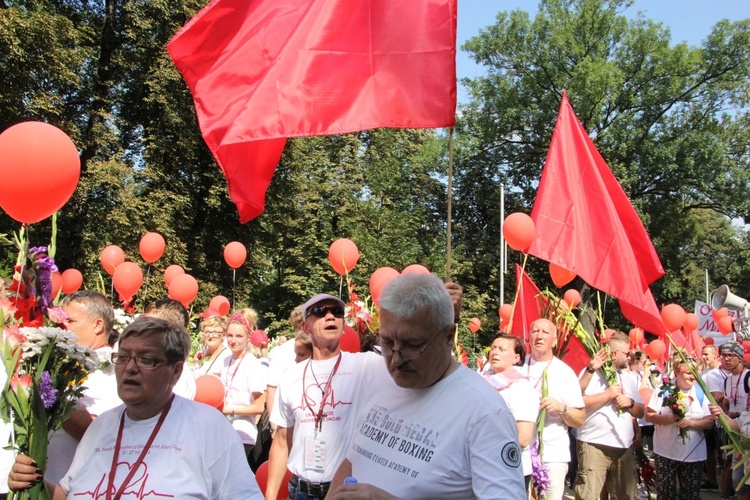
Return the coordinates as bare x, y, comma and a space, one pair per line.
315, 404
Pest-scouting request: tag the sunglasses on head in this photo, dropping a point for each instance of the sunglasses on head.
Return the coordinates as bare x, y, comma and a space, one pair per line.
321, 311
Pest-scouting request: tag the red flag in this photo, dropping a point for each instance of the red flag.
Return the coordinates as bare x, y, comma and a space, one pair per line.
264, 70
528, 306
586, 224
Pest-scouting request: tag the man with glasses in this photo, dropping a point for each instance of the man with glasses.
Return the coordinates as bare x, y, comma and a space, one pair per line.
734, 402
156, 444
315, 404
431, 428
605, 440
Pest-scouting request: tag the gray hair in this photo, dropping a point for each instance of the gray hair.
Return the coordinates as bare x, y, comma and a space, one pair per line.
96, 306
175, 340
408, 295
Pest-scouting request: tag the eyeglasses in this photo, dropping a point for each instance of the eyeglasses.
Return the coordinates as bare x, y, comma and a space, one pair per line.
727, 355
209, 335
322, 311
615, 351
408, 353
140, 361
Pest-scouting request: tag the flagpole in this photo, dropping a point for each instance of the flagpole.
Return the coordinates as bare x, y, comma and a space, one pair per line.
502, 245
450, 201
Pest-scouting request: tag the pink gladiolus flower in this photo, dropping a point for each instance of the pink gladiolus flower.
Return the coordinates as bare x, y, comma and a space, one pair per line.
57, 315
24, 381
12, 334
7, 307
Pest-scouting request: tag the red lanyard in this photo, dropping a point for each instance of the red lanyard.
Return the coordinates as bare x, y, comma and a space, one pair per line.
113, 469
327, 392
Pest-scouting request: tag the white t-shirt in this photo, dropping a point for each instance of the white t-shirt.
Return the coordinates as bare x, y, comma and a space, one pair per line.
606, 425
523, 402
196, 454
667, 440
454, 439
714, 379
99, 396
214, 366
241, 379
563, 386
185, 386
297, 404
281, 358
734, 391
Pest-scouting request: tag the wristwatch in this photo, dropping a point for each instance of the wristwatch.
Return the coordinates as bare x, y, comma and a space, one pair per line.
565, 408
590, 370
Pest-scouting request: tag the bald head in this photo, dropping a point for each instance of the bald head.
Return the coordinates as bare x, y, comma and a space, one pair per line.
543, 339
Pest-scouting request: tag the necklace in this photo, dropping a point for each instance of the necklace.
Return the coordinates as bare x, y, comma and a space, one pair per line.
144, 451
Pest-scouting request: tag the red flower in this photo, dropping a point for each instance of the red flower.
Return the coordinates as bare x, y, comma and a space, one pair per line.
24, 381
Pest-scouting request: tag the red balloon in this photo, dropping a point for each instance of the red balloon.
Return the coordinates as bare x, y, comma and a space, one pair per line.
343, 255
646, 350
152, 247
350, 340
261, 477
474, 325
416, 269
183, 288
506, 310
220, 304
691, 322
656, 349
111, 257
673, 316
560, 276
235, 254
171, 272
56, 279
636, 336
519, 231
725, 325
127, 279
40, 166
72, 279
209, 390
572, 297
709, 341
717, 314
378, 280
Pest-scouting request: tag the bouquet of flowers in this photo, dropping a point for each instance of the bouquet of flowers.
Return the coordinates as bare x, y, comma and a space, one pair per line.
47, 370
362, 315
677, 402
569, 324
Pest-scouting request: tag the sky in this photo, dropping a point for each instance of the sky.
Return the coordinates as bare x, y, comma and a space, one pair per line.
689, 20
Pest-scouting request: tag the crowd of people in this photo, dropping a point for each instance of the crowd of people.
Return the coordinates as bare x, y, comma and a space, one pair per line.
408, 420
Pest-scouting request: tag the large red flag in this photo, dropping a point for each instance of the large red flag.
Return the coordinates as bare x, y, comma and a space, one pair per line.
264, 70
586, 224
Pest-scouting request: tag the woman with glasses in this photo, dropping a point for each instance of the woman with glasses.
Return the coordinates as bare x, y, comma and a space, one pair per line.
214, 350
679, 444
244, 381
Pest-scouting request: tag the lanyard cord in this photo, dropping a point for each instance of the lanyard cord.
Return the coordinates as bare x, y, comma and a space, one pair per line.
325, 393
137, 464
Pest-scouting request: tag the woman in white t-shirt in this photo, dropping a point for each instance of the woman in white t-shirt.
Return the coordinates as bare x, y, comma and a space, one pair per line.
244, 381
507, 352
214, 350
679, 444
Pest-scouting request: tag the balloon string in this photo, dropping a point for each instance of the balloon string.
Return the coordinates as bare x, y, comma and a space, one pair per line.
23, 246
234, 281
145, 291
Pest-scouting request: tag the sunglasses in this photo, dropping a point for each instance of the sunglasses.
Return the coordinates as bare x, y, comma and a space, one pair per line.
322, 311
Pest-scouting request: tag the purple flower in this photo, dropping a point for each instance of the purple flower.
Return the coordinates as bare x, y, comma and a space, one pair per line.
46, 391
45, 266
539, 471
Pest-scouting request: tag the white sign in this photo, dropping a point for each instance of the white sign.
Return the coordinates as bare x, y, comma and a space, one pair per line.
707, 327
